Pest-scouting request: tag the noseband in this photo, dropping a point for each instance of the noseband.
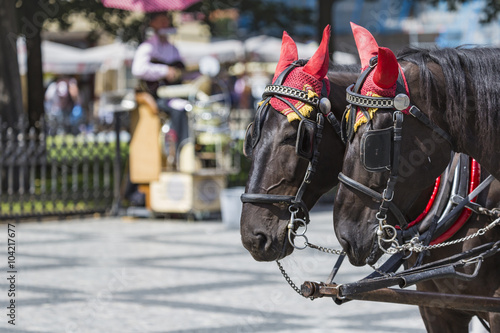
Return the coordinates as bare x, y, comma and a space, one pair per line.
380, 141
308, 139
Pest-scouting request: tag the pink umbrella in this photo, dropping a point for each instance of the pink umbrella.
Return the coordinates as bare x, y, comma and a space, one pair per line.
149, 5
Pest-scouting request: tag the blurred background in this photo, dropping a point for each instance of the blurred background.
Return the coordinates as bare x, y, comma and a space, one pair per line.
69, 113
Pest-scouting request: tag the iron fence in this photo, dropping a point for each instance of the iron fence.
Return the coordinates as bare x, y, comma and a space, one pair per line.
48, 173
56, 169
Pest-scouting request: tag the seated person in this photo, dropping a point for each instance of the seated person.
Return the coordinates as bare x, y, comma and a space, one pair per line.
157, 62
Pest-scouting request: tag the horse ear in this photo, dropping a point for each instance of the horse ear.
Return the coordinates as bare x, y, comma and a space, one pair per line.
288, 54
366, 44
317, 66
387, 70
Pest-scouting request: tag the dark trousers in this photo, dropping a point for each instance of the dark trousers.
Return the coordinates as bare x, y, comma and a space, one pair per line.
178, 118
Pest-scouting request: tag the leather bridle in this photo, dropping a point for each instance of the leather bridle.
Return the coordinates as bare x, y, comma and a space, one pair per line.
322, 106
400, 102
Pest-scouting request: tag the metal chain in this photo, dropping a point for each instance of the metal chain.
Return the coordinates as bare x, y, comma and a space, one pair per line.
415, 245
480, 232
302, 223
325, 249
312, 246
495, 212
477, 208
290, 282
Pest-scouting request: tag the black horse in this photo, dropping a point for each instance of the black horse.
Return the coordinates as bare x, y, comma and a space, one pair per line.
272, 142
395, 152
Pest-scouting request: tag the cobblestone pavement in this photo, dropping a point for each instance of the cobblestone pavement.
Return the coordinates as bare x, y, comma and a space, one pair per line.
122, 275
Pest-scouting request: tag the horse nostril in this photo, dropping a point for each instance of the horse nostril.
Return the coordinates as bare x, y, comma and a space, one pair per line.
260, 241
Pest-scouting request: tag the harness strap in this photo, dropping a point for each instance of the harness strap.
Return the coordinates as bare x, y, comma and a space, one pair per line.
294, 109
335, 268
351, 183
437, 269
415, 112
438, 208
277, 91
264, 198
274, 89
444, 222
337, 127
311, 169
348, 131
260, 116
388, 193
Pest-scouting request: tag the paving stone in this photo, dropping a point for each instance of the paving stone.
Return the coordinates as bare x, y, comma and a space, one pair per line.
122, 275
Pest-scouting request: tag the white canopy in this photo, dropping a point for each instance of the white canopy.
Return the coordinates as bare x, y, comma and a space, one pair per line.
268, 48
63, 59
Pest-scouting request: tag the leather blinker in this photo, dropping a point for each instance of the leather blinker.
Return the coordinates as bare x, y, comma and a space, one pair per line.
248, 144
375, 149
306, 134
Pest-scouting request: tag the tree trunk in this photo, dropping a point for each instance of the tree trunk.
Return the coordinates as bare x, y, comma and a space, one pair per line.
11, 104
325, 17
32, 22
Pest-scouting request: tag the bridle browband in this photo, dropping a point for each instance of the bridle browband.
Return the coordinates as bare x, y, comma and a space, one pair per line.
400, 102
322, 106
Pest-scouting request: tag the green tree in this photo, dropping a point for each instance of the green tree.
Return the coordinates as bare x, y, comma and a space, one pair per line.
10, 82
32, 16
263, 16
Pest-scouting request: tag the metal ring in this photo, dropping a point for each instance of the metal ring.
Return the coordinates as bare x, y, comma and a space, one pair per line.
339, 296
384, 194
408, 256
390, 249
388, 226
303, 224
292, 242
380, 218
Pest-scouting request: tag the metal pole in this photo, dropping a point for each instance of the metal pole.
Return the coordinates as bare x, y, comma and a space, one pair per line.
117, 168
410, 297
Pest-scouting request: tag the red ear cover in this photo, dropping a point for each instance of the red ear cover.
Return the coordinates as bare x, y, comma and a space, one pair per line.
287, 56
387, 69
366, 44
317, 66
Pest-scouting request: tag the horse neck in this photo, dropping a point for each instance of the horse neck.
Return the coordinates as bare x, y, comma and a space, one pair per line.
459, 111
332, 148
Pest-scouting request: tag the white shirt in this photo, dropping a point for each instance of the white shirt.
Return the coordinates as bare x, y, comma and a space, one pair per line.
154, 48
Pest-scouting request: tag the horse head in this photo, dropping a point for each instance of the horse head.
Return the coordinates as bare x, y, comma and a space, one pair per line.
391, 156
283, 144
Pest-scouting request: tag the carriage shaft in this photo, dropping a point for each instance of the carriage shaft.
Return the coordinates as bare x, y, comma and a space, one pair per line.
410, 297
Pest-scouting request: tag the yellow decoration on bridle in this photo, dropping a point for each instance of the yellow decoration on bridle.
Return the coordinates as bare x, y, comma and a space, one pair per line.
360, 117
304, 109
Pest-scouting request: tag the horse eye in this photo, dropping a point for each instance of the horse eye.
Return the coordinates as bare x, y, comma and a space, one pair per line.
289, 139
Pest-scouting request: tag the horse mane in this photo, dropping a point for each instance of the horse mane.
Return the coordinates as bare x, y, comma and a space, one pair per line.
335, 72
471, 82
351, 68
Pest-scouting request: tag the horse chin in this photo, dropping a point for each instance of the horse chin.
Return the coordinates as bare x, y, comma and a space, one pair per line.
369, 257
375, 253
